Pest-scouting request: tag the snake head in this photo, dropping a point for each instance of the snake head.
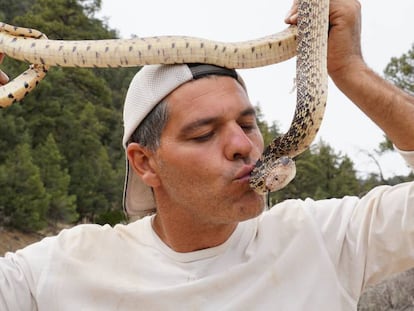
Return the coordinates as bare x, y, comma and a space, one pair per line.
273, 176
280, 174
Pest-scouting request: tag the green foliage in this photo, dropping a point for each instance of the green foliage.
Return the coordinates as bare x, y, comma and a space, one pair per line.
65, 19
386, 145
93, 180
56, 180
12, 130
400, 71
321, 173
111, 217
71, 124
23, 201
10, 8
269, 132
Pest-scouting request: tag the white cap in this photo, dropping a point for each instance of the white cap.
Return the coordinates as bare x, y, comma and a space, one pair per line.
148, 88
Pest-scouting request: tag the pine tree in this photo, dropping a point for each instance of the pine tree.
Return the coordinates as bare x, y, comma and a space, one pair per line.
82, 108
62, 206
93, 179
24, 200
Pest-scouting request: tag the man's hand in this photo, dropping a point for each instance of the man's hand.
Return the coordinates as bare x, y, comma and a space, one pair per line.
3, 77
344, 42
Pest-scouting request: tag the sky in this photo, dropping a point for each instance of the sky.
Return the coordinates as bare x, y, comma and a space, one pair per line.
387, 31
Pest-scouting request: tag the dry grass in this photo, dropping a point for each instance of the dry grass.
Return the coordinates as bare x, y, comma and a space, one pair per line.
12, 240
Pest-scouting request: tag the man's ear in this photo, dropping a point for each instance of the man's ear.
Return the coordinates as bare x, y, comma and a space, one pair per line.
139, 159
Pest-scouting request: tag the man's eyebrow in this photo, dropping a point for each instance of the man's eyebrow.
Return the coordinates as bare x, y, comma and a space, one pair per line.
193, 126
248, 112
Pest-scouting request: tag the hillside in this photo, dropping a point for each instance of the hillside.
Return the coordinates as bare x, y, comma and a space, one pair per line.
12, 240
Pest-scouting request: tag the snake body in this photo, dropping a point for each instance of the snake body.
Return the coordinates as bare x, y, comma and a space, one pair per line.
308, 40
270, 173
24, 44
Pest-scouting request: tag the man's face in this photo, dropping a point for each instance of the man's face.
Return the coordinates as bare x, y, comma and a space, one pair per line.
208, 147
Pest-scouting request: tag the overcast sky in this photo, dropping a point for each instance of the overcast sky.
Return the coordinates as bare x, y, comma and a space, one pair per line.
388, 31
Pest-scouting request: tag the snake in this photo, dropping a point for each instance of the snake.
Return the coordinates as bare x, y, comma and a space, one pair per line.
307, 41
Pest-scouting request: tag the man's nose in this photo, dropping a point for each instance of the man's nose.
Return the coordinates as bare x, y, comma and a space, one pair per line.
238, 144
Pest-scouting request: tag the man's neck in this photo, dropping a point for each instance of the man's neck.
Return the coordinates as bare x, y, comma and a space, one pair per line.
187, 236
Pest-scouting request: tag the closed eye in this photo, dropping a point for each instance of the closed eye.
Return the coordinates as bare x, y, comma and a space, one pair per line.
203, 138
248, 127
248, 120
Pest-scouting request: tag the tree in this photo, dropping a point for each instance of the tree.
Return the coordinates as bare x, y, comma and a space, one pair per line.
346, 181
400, 71
80, 108
65, 19
321, 173
9, 9
12, 132
56, 180
93, 179
24, 200
269, 132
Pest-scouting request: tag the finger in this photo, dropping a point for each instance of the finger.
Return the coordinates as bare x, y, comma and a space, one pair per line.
3, 78
293, 19
2, 55
290, 16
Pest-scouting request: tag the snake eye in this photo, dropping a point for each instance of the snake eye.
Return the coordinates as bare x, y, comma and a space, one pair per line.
285, 160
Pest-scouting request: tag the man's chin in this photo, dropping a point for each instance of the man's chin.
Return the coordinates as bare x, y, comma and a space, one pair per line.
253, 205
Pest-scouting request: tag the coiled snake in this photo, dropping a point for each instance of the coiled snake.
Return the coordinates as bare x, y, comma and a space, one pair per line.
308, 40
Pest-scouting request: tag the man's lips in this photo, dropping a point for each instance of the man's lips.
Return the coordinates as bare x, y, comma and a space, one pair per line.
244, 173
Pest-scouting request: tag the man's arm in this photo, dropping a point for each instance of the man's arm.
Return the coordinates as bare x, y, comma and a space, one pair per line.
389, 107
15, 293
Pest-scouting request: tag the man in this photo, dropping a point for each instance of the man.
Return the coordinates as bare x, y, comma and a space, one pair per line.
191, 141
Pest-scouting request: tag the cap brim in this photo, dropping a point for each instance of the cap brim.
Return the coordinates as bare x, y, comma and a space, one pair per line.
138, 198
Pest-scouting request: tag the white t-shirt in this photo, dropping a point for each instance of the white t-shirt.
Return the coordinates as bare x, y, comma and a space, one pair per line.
300, 255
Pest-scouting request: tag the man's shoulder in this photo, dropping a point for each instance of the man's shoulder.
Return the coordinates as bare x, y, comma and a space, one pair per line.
299, 210
85, 234
285, 213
